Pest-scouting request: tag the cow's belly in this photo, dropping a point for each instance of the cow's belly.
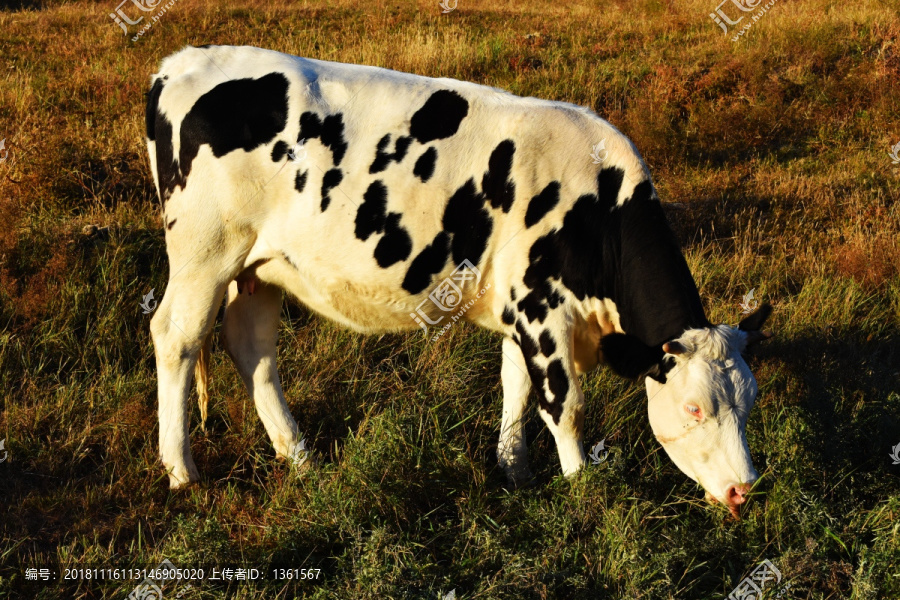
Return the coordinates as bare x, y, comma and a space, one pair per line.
363, 307
374, 307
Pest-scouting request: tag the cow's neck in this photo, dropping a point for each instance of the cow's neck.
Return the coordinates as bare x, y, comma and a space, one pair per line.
654, 292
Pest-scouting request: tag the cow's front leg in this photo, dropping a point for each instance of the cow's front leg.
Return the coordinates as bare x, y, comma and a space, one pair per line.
547, 351
512, 451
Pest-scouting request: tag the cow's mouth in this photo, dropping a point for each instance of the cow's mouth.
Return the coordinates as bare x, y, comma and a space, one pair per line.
733, 508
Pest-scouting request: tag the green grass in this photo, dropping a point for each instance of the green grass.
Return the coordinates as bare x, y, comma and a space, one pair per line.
776, 146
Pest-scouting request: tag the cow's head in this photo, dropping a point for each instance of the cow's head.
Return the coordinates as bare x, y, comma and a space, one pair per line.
700, 413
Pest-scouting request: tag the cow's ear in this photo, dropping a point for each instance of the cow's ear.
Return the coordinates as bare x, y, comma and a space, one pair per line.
753, 323
674, 347
630, 357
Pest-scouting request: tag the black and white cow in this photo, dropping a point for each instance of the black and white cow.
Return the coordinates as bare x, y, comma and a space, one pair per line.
401, 179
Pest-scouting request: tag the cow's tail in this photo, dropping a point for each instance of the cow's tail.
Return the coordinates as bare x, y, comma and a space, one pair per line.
201, 378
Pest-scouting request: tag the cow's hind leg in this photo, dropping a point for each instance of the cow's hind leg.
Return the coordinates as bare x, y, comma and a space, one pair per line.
179, 328
512, 451
547, 351
250, 333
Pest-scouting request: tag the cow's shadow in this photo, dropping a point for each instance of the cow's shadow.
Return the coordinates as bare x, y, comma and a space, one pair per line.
848, 394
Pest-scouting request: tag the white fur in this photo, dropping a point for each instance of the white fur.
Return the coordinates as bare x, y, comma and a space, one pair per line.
713, 375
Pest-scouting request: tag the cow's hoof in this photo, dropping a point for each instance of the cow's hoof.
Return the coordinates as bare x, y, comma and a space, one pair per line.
300, 457
521, 478
183, 477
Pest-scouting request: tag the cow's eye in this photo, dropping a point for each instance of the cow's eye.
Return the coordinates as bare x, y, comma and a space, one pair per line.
694, 410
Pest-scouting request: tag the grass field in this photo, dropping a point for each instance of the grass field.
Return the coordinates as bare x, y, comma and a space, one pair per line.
774, 149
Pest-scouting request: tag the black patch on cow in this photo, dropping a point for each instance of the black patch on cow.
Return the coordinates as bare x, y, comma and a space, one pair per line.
626, 253
548, 346
424, 167
609, 182
330, 131
372, 217
167, 171
300, 181
439, 117
538, 376
159, 129
631, 358
279, 151
171, 224
512, 293
372, 212
333, 136
660, 370
496, 184
330, 180
427, 263
383, 158
534, 307
241, 113
543, 203
529, 351
395, 245
310, 126
558, 382
152, 108
237, 114
470, 223
536, 303
508, 316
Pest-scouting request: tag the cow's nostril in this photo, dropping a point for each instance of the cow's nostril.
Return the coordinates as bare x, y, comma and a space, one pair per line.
736, 493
